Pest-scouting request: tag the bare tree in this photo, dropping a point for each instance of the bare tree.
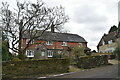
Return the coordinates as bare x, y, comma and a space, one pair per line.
29, 18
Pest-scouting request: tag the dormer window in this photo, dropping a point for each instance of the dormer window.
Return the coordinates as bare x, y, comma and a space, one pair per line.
64, 43
110, 42
49, 43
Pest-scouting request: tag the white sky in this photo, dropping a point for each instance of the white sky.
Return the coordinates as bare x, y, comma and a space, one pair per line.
88, 18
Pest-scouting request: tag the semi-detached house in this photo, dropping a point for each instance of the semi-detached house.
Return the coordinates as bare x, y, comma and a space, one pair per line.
52, 43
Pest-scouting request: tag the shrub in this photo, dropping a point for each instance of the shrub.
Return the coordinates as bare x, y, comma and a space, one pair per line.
57, 56
16, 59
6, 55
34, 67
117, 53
77, 51
22, 56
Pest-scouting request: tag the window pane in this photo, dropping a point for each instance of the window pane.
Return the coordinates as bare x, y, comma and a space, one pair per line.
27, 40
49, 42
59, 52
80, 44
30, 53
64, 44
50, 53
42, 53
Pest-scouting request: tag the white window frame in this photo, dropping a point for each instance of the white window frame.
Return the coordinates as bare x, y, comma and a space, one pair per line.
29, 53
64, 43
50, 53
103, 42
49, 43
27, 40
80, 44
42, 53
110, 41
59, 52
111, 49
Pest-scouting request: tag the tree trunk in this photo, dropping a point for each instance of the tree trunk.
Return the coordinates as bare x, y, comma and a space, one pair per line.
21, 51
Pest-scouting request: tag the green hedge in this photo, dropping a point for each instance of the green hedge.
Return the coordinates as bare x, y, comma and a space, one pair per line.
34, 67
87, 62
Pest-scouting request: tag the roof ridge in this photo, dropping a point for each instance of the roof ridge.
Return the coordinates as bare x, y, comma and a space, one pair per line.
61, 37
65, 33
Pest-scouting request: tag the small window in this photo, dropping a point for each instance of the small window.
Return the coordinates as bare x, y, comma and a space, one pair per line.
80, 44
110, 42
43, 53
27, 40
103, 42
59, 52
30, 53
64, 43
49, 43
50, 53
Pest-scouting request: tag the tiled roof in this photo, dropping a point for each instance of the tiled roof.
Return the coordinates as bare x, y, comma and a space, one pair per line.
59, 37
108, 37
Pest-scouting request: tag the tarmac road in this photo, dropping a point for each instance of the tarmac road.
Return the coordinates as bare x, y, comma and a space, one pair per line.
110, 71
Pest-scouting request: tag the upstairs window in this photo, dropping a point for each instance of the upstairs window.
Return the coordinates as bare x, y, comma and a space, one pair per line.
64, 43
80, 44
50, 53
110, 42
30, 53
49, 43
27, 40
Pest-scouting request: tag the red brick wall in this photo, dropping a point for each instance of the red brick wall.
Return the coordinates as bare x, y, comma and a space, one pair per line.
56, 45
84, 44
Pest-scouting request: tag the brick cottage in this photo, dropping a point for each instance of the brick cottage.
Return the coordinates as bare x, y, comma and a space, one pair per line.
52, 44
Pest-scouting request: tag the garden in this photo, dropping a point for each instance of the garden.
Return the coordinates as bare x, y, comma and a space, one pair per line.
32, 68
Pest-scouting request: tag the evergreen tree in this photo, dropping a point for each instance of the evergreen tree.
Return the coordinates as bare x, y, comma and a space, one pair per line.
5, 50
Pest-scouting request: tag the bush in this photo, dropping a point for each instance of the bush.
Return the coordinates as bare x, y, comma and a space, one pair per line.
117, 53
77, 51
22, 56
34, 67
16, 59
6, 55
92, 61
57, 56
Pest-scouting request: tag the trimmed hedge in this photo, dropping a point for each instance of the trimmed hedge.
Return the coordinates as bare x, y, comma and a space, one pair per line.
34, 67
88, 62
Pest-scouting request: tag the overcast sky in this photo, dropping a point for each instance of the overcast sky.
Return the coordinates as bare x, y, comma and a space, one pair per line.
88, 18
